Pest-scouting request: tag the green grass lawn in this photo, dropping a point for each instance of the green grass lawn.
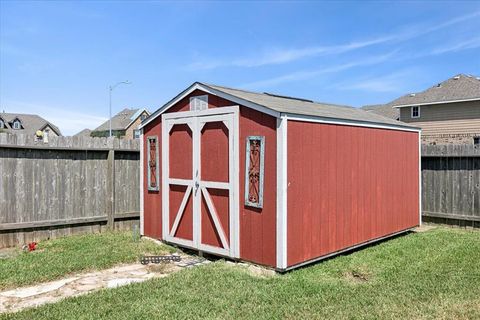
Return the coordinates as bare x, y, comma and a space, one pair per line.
57, 258
432, 275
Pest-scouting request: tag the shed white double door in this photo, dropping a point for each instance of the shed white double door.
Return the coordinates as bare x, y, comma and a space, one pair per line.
200, 180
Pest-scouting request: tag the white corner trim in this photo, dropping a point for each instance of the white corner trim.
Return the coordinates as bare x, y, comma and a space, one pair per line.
282, 185
142, 173
419, 179
209, 90
434, 103
354, 123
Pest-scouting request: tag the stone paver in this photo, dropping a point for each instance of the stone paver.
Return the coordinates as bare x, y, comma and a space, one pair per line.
83, 283
50, 292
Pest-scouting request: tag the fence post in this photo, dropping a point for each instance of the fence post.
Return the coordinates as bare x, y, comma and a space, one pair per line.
111, 189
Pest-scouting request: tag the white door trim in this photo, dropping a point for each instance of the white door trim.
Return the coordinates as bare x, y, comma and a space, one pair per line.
195, 120
168, 235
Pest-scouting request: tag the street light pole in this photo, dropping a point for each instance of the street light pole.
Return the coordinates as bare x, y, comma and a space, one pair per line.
110, 89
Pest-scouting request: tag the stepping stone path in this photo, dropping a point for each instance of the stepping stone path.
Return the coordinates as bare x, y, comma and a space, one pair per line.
50, 292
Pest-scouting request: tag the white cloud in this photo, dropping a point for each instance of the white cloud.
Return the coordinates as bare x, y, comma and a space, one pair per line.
279, 56
69, 122
459, 46
272, 56
308, 74
388, 83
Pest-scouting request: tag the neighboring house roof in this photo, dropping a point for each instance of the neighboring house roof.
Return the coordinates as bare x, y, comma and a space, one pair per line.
31, 123
459, 88
83, 133
122, 120
284, 104
386, 110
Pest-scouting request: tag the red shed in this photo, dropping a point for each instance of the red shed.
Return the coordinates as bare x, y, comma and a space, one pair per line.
275, 180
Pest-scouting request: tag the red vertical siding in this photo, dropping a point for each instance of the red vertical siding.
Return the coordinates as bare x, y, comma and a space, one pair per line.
257, 226
215, 167
347, 185
152, 200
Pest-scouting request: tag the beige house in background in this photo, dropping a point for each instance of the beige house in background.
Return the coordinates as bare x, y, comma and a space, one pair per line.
124, 124
448, 113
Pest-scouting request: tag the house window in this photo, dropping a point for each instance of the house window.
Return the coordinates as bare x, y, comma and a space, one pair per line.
17, 125
415, 112
254, 174
476, 141
199, 103
136, 134
2, 124
143, 117
152, 160
45, 135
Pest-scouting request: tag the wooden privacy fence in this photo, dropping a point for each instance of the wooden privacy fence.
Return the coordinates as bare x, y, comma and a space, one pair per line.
451, 184
68, 185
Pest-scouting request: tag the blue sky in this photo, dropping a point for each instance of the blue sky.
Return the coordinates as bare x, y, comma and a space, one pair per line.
57, 59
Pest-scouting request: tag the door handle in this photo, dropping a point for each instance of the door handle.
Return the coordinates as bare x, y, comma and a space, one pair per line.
196, 186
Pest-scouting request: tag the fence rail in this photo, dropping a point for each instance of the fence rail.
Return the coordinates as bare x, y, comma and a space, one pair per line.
68, 185
82, 184
451, 183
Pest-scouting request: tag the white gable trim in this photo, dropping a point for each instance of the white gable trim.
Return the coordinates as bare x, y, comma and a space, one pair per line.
207, 89
430, 103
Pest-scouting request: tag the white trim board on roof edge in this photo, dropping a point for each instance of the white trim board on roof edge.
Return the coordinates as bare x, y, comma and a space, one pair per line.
263, 109
207, 89
355, 123
437, 102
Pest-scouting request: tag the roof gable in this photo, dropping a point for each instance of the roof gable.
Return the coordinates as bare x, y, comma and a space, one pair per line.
30, 123
120, 121
386, 110
458, 88
276, 105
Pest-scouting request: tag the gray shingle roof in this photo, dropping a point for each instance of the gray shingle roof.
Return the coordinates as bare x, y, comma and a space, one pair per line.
386, 110
460, 87
307, 107
84, 133
120, 121
31, 123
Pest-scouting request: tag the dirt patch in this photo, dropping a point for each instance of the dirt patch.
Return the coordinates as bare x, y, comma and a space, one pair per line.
424, 228
254, 270
162, 268
358, 276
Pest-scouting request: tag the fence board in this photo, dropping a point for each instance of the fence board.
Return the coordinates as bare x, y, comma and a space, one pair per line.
451, 182
64, 186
